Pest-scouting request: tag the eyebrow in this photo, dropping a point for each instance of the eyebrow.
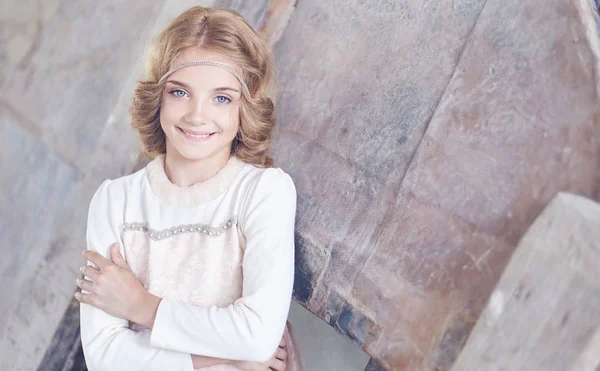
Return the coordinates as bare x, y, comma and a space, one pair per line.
222, 88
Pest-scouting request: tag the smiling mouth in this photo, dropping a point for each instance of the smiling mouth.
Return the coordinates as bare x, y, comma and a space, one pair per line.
196, 135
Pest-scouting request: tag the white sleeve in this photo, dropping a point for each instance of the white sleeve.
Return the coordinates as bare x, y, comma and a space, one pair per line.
251, 328
108, 342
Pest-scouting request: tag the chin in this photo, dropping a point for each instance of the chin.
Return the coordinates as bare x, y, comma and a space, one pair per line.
198, 154
195, 155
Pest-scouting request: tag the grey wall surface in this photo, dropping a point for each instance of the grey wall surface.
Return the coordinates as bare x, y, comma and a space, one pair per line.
66, 69
320, 347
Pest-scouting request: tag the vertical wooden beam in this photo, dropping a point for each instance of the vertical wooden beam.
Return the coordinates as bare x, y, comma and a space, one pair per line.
544, 314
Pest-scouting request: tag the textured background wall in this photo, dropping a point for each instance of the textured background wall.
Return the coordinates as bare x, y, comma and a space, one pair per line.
66, 71
423, 136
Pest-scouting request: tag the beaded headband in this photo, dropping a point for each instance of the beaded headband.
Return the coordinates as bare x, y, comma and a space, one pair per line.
207, 63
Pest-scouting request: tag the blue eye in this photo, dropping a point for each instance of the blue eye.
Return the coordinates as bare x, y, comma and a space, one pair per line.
176, 93
223, 99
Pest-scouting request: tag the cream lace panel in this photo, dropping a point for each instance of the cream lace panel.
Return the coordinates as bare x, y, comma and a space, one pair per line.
189, 267
206, 229
192, 268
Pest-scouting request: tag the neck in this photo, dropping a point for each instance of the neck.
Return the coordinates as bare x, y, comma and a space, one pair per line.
185, 172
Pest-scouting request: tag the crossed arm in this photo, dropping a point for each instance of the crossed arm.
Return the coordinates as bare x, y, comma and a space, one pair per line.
113, 288
250, 329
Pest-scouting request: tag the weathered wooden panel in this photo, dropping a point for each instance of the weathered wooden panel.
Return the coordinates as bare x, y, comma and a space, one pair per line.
402, 261
519, 122
353, 105
544, 314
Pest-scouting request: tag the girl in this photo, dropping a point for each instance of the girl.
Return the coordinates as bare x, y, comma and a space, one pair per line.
201, 274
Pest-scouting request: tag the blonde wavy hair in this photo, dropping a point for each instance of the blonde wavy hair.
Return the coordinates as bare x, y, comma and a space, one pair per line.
226, 32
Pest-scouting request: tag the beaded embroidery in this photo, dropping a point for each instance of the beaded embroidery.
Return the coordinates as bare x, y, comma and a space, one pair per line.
157, 235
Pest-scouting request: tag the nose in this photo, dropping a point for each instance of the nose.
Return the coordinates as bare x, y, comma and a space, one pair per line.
197, 113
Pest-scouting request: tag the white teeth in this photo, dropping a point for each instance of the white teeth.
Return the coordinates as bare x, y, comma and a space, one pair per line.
199, 136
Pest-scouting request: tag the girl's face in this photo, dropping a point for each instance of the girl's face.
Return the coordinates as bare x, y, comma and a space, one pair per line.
200, 112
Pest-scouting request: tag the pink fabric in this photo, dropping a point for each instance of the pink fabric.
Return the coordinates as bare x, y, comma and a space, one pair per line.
191, 268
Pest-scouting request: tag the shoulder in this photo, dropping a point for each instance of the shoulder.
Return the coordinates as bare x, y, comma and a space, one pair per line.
269, 193
116, 190
270, 181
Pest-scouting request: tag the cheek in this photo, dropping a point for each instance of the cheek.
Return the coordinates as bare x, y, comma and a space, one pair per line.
168, 113
234, 119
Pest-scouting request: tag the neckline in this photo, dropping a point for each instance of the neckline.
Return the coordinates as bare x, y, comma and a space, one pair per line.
195, 194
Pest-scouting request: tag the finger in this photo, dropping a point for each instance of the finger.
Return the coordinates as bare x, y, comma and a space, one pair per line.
99, 260
116, 257
84, 285
278, 365
281, 355
83, 298
89, 271
282, 343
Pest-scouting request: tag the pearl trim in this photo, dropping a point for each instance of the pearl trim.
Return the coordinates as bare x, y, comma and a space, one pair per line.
158, 235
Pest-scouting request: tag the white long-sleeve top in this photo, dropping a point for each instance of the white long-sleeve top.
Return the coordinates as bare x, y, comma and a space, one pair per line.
220, 253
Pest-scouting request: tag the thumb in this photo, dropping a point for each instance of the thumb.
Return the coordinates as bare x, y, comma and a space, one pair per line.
116, 257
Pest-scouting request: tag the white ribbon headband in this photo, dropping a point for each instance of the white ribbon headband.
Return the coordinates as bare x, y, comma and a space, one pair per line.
207, 63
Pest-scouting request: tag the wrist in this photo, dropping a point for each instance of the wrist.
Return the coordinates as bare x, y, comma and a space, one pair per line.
145, 311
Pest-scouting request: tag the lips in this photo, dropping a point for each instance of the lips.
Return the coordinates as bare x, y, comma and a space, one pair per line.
195, 132
196, 135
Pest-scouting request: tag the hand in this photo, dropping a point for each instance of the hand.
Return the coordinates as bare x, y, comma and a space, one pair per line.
202, 362
277, 362
112, 287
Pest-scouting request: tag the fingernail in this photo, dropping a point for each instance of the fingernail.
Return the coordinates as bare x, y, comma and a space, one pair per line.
81, 269
77, 281
76, 295
83, 253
